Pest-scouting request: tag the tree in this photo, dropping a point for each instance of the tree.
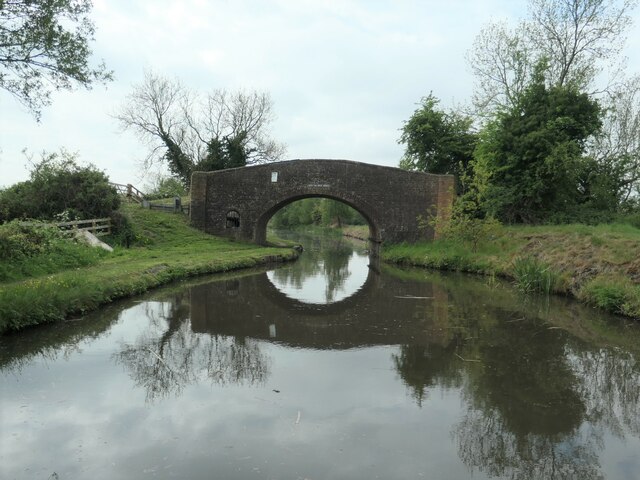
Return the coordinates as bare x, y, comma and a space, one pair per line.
319, 211
616, 150
437, 141
44, 46
500, 60
165, 186
225, 130
528, 162
336, 213
577, 38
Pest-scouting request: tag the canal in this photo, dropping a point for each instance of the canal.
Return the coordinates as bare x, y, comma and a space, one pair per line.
332, 367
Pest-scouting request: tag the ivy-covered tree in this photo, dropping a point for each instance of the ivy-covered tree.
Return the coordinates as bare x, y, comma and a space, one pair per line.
437, 141
188, 133
529, 160
45, 46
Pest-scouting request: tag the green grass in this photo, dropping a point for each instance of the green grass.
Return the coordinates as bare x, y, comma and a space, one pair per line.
356, 231
444, 255
166, 249
598, 264
613, 293
63, 256
532, 275
184, 200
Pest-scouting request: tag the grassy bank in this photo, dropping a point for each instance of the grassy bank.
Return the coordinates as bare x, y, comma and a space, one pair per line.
599, 265
361, 232
165, 249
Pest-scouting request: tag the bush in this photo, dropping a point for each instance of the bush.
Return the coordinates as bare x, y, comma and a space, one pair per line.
122, 232
58, 184
166, 187
34, 250
15, 201
462, 225
19, 241
632, 219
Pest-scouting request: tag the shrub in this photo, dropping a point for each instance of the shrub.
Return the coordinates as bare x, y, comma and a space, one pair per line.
122, 232
166, 187
632, 218
34, 250
15, 201
58, 184
462, 225
18, 241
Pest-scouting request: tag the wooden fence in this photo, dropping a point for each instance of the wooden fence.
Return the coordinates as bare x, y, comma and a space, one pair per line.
129, 191
168, 208
97, 226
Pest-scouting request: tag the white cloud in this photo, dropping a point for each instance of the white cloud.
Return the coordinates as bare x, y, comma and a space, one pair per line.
344, 75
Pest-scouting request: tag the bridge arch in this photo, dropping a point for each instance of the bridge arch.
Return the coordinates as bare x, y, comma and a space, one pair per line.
390, 199
273, 207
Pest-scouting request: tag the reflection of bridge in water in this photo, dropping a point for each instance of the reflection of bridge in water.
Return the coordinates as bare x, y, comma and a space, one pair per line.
376, 314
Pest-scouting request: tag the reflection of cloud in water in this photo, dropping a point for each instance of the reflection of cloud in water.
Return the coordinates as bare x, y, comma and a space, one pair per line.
325, 284
451, 378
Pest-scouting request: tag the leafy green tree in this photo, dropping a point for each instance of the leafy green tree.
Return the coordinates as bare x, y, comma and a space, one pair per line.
301, 212
581, 41
528, 161
437, 141
45, 46
335, 213
225, 152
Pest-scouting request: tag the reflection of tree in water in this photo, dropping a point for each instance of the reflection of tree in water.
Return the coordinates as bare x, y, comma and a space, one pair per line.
323, 255
610, 385
524, 408
169, 355
553, 428
424, 366
539, 402
486, 443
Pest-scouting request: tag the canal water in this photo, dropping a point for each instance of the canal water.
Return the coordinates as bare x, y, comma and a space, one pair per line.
332, 367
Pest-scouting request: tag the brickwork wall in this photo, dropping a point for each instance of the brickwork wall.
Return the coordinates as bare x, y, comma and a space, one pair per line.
389, 198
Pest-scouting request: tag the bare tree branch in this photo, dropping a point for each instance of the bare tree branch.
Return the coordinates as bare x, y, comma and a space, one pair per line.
579, 39
187, 133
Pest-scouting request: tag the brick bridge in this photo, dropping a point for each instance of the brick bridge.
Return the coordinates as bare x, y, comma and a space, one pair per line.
239, 202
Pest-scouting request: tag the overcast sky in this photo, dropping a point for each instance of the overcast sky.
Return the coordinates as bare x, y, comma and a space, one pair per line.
343, 75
